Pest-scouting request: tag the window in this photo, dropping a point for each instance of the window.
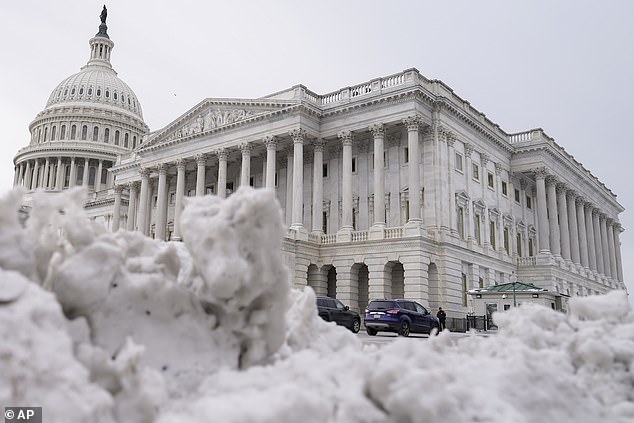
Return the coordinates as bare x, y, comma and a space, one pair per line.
134, 141
81, 90
475, 171
405, 155
324, 222
98, 92
458, 161
211, 189
252, 181
529, 202
84, 133
464, 289
460, 221
95, 133
229, 187
276, 179
90, 91
172, 199
518, 242
53, 133
517, 196
354, 219
504, 188
385, 157
73, 132
481, 282
191, 193
531, 247
107, 94
490, 178
492, 234
62, 133
45, 134
324, 170
125, 140
477, 231
115, 96
354, 165
506, 241
116, 137
106, 135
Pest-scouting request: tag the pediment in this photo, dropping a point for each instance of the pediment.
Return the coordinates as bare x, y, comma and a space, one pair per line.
215, 114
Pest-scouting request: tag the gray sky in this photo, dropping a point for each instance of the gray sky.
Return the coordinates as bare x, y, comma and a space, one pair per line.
565, 66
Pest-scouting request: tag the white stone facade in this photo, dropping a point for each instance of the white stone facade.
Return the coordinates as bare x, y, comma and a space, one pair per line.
392, 188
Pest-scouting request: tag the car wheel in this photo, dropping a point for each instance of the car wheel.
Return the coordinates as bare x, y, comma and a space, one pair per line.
403, 330
371, 331
436, 329
356, 325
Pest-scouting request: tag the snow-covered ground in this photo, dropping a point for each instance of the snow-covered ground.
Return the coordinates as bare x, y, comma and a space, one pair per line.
102, 327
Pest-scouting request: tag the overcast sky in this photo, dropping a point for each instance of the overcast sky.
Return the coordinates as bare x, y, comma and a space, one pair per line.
564, 66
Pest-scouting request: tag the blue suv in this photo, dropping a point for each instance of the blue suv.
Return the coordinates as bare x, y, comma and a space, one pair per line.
400, 316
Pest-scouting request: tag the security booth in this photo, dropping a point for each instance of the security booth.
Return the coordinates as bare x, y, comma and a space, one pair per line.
485, 301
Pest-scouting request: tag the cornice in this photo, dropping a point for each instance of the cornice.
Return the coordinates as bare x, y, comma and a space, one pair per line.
57, 148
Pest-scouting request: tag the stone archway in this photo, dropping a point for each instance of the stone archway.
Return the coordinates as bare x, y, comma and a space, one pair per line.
313, 280
434, 286
360, 274
396, 277
331, 287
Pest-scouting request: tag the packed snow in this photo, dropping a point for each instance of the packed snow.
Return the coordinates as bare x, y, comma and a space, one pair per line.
117, 327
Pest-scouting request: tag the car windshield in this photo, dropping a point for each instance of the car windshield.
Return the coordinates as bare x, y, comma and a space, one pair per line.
381, 305
339, 305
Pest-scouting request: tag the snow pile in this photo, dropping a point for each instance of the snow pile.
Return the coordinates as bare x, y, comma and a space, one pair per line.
141, 331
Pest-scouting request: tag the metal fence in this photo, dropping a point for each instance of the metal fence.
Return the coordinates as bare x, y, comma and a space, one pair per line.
457, 324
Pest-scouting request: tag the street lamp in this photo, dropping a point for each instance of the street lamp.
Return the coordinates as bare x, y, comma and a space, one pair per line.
513, 279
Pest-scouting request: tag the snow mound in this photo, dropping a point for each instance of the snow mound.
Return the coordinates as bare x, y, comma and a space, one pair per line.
135, 330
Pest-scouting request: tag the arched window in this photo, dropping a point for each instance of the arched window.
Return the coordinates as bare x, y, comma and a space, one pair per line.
53, 133
98, 92
116, 137
125, 140
45, 134
39, 135
134, 141
91, 175
62, 132
107, 94
106, 135
95, 133
115, 96
81, 90
72, 92
90, 91
73, 132
84, 133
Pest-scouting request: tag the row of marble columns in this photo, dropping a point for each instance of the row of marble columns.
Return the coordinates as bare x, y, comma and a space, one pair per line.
582, 234
295, 171
49, 174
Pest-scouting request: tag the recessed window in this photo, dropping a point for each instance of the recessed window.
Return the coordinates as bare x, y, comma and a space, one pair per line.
134, 141
406, 155
98, 92
475, 171
458, 162
460, 221
65, 92
106, 135
116, 137
81, 90
477, 229
252, 181
53, 133
95, 133
115, 96
518, 244
72, 92
84, 133
172, 199
62, 134
73, 132
354, 165
517, 196
125, 140
211, 189
492, 234
504, 188
107, 94
90, 91
529, 202
506, 241
490, 179
325, 170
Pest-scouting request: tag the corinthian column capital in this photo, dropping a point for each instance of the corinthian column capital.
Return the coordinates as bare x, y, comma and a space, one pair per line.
377, 130
345, 137
270, 142
318, 144
413, 123
297, 135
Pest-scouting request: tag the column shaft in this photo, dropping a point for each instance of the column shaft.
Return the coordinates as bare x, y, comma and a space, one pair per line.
573, 227
583, 237
34, 178
116, 215
542, 212
161, 203
222, 173
611, 251
201, 161
271, 145
598, 249
617, 250
318, 185
378, 132
59, 183
298, 177
98, 176
132, 198
413, 124
245, 165
563, 222
346, 180
73, 173
553, 221
84, 179
180, 193
142, 217
604, 246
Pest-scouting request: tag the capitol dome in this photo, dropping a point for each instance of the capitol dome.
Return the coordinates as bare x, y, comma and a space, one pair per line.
91, 118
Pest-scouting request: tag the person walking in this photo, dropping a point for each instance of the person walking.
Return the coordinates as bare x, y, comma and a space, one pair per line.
442, 317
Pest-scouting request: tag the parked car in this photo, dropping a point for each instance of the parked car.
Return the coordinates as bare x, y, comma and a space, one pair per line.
400, 316
333, 310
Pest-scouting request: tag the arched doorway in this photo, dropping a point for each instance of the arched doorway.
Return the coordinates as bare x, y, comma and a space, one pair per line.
396, 276
434, 286
331, 290
361, 274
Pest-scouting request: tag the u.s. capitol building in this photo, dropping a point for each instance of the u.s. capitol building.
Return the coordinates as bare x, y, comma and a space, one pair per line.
395, 187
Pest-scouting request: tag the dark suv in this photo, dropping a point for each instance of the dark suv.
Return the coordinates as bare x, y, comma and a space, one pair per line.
333, 310
400, 316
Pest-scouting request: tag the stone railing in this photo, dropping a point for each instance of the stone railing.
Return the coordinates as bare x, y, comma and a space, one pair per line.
359, 236
328, 238
391, 233
526, 261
